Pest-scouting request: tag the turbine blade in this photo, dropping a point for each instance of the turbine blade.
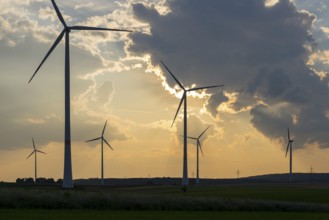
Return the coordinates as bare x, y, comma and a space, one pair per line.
33, 143
30, 155
287, 149
288, 134
107, 143
180, 85
59, 38
204, 87
199, 145
95, 139
59, 14
180, 104
85, 28
104, 128
40, 151
203, 132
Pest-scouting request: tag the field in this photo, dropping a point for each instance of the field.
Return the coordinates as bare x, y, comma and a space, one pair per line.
151, 215
239, 201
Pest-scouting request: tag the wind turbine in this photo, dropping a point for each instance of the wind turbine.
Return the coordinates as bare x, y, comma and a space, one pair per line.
35, 151
238, 174
67, 180
198, 146
184, 98
289, 148
102, 158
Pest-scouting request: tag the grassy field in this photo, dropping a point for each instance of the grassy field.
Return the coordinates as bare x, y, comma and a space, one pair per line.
272, 192
151, 215
249, 201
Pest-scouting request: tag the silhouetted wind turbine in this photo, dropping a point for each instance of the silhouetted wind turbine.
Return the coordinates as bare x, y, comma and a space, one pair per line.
289, 147
184, 98
198, 146
67, 180
102, 151
238, 174
35, 151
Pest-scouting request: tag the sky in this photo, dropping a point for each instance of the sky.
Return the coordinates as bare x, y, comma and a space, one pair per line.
271, 55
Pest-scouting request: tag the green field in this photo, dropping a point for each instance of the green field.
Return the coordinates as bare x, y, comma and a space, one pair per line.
151, 215
253, 201
273, 192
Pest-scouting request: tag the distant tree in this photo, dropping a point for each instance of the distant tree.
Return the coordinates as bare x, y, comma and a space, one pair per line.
20, 180
50, 180
29, 180
41, 180
60, 181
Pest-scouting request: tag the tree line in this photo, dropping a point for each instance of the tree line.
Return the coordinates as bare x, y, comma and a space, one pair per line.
40, 180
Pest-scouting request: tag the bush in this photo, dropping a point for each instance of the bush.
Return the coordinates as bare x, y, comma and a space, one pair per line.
29, 180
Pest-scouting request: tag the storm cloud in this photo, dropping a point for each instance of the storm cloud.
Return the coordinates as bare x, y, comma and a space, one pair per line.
258, 52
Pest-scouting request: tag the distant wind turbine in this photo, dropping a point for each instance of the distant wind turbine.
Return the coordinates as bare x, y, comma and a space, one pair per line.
35, 151
238, 174
289, 148
67, 180
198, 146
184, 98
102, 151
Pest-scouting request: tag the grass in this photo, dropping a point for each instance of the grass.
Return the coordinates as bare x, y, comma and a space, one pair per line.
247, 198
150, 215
268, 192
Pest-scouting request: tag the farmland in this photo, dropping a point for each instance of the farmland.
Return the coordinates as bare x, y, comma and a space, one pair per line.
151, 215
252, 201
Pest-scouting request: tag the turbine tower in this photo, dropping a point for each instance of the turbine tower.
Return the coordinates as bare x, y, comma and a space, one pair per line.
198, 146
35, 151
67, 180
102, 158
289, 148
184, 98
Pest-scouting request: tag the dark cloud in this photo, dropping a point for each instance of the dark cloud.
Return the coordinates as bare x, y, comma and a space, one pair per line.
272, 123
222, 41
214, 101
256, 51
269, 84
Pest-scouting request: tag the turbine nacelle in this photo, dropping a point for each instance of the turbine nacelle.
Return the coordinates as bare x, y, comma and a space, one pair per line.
198, 139
290, 141
67, 29
35, 151
185, 90
102, 138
